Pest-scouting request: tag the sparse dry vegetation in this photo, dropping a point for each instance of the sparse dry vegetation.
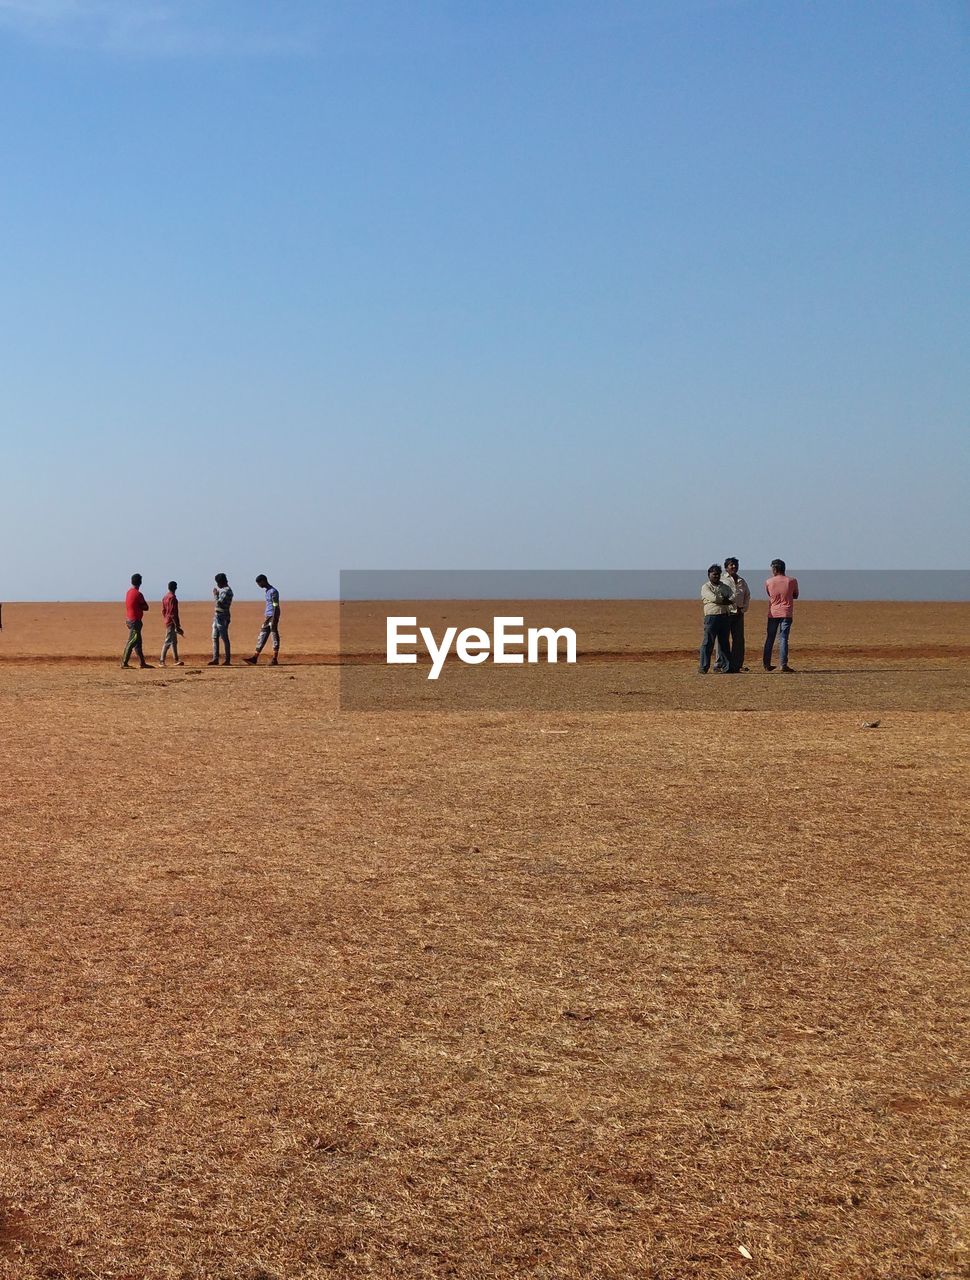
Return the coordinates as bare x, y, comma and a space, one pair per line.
294, 993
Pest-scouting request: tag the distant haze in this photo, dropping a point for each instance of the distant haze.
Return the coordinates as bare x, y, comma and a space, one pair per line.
652, 584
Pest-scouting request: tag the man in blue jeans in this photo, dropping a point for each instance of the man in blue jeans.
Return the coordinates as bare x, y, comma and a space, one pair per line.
782, 594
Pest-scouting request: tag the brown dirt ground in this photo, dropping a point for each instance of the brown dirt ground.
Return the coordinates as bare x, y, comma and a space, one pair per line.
290, 992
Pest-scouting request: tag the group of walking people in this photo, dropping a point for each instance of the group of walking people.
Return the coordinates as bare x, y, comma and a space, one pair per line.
136, 606
726, 598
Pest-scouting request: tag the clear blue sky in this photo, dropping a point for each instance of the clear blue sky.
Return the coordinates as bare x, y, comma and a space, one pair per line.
301, 286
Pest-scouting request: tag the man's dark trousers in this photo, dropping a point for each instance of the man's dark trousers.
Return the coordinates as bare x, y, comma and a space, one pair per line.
715, 630
736, 631
733, 661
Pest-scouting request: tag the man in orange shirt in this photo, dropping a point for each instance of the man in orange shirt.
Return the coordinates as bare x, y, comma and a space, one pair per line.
136, 606
782, 594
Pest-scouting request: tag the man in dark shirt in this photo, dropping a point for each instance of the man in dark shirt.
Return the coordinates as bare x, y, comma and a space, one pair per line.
136, 606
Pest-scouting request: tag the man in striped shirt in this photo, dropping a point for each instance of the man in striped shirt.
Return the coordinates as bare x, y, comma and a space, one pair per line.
222, 595
271, 623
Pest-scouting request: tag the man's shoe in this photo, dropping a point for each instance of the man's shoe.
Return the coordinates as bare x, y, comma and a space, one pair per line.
213, 662
250, 662
227, 663
702, 671
767, 668
161, 662
273, 662
180, 663
788, 671
125, 667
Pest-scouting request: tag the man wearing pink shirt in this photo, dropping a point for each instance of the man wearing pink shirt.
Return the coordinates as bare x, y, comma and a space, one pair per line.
782, 594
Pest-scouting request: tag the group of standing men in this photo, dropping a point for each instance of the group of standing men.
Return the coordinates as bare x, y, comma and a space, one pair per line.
726, 598
136, 606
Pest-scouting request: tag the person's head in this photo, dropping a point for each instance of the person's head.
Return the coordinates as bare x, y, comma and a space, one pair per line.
714, 573
136, 579
731, 564
778, 566
222, 580
262, 580
173, 586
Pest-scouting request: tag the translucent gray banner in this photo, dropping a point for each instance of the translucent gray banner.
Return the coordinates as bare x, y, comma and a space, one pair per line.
643, 584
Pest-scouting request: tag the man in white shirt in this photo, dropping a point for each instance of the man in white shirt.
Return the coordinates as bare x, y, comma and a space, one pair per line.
732, 659
716, 599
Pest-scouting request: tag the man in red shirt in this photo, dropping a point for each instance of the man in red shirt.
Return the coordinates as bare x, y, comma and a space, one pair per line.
136, 606
172, 624
782, 594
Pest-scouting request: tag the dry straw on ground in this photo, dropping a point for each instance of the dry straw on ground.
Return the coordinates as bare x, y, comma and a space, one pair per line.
295, 993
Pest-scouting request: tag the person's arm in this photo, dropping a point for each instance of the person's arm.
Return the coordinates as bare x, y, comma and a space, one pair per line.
176, 619
794, 594
275, 620
143, 601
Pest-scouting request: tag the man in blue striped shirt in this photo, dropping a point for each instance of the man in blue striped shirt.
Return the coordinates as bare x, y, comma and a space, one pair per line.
271, 623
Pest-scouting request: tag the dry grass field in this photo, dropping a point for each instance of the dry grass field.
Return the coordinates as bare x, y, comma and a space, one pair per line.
669, 994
